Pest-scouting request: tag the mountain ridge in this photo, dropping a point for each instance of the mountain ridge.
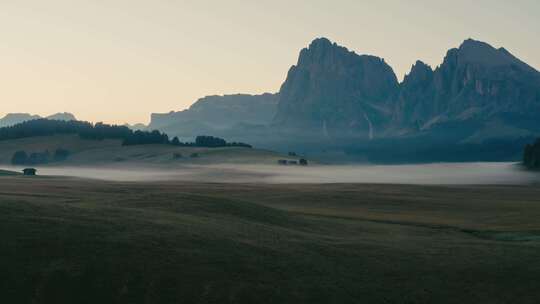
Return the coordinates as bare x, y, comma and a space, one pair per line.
478, 92
214, 113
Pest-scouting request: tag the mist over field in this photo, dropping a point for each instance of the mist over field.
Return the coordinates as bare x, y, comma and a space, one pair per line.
241, 152
417, 174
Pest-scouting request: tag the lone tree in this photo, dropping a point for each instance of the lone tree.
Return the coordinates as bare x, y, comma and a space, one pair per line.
61, 154
19, 158
531, 155
175, 141
37, 158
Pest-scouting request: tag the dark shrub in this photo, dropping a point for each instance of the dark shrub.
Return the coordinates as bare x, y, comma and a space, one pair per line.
176, 142
531, 155
19, 158
210, 142
37, 158
61, 154
216, 142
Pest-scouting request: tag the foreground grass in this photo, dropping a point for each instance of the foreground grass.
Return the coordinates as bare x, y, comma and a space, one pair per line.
79, 241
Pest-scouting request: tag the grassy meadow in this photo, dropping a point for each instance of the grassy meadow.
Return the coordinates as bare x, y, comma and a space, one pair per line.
85, 152
67, 240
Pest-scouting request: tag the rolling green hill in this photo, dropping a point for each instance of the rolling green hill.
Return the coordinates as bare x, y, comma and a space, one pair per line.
8, 173
88, 152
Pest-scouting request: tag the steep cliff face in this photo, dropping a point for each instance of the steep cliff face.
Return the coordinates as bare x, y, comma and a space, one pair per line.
477, 78
334, 92
416, 97
476, 83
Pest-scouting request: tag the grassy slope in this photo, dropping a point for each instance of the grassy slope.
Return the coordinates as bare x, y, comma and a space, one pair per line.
8, 173
85, 152
78, 241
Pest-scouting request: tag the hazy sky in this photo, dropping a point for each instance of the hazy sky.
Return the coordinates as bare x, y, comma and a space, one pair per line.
119, 60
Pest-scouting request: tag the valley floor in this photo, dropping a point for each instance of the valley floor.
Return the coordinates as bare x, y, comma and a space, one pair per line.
68, 240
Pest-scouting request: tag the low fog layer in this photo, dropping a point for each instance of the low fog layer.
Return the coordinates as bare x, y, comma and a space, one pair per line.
443, 174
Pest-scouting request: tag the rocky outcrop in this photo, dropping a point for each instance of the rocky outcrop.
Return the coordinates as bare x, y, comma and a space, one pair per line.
475, 83
333, 92
415, 101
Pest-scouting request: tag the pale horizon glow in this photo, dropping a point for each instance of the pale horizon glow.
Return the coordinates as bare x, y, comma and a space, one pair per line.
118, 61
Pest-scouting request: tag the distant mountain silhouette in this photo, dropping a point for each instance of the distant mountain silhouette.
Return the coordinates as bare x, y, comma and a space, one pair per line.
16, 118
213, 114
488, 89
62, 116
137, 126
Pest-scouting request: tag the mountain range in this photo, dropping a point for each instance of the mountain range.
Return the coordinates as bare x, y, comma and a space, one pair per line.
16, 118
478, 93
213, 114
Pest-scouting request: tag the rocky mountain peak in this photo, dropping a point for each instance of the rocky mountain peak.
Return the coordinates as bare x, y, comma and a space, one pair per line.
323, 51
483, 54
420, 72
321, 43
332, 88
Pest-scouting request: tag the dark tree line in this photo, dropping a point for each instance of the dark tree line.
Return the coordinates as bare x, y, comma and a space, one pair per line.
213, 142
531, 156
208, 142
145, 138
45, 127
38, 158
100, 131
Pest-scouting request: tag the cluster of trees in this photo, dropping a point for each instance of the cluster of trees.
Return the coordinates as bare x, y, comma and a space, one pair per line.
45, 127
212, 142
208, 142
145, 138
100, 131
37, 158
531, 157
